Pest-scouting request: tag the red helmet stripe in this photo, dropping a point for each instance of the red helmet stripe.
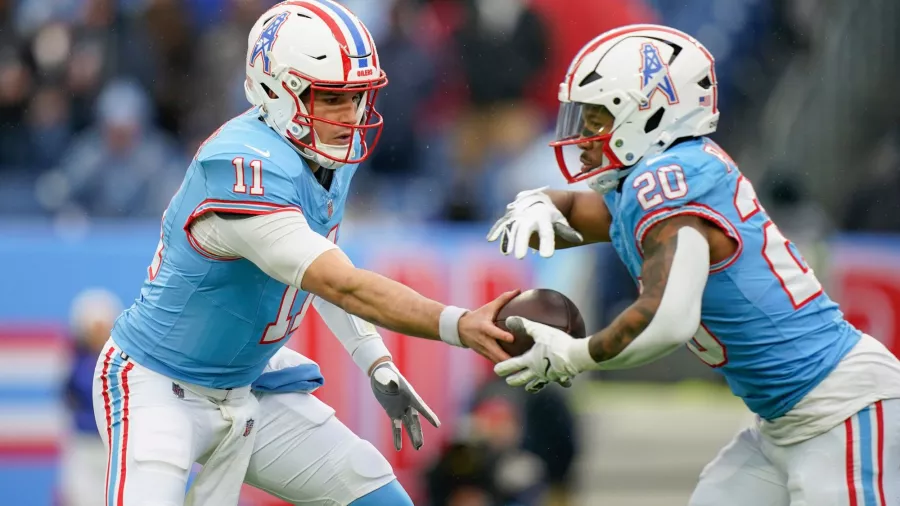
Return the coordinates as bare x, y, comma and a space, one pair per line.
332, 25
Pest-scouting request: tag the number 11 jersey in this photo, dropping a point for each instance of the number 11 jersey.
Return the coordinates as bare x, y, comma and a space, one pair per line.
215, 321
766, 323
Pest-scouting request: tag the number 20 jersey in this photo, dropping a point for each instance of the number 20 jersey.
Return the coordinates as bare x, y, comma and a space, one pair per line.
766, 323
213, 321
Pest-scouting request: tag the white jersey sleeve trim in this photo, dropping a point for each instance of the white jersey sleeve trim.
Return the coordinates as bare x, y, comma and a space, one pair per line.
281, 244
246, 207
700, 211
678, 316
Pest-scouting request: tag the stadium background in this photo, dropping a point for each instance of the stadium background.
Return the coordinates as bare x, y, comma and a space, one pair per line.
103, 102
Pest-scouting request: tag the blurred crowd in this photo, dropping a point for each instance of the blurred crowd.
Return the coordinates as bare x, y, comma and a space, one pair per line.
104, 102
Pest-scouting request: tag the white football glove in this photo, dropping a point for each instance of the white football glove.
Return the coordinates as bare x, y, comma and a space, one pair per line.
531, 212
402, 404
555, 356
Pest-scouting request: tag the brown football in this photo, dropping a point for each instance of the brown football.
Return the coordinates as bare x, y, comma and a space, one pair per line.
540, 305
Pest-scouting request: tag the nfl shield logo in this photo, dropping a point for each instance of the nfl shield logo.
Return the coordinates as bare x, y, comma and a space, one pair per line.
330, 208
177, 390
248, 427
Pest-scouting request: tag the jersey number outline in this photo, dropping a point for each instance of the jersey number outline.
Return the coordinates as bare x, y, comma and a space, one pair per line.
704, 344
654, 188
285, 323
256, 186
714, 150
797, 279
708, 348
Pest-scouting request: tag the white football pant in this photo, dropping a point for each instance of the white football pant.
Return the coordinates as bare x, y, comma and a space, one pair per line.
856, 463
298, 450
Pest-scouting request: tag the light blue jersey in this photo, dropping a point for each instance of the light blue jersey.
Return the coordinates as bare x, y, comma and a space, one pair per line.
214, 321
766, 323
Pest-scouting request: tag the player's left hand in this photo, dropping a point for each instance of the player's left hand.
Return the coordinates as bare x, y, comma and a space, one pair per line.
402, 404
554, 357
532, 213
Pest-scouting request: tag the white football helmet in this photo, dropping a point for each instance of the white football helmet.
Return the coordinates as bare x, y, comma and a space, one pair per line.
657, 82
302, 46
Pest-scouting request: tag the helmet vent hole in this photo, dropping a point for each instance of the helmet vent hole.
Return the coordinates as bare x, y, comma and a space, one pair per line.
653, 121
676, 49
269, 91
299, 15
593, 76
705, 83
617, 101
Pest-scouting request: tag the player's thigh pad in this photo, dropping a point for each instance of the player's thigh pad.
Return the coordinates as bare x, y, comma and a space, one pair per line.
148, 431
305, 455
741, 475
856, 463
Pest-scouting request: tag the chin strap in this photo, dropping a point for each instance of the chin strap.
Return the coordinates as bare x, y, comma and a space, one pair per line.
324, 161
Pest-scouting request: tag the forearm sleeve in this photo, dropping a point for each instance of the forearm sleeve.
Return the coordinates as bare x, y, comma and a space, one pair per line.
678, 316
359, 337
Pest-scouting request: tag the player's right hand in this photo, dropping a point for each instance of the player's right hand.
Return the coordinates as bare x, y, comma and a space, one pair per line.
478, 331
531, 212
555, 356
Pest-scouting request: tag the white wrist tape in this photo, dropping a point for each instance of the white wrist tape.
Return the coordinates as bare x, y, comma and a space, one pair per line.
368, 352
580, 355
449, 325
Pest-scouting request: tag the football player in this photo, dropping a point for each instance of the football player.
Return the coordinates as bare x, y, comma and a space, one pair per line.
714, 273
247, 244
